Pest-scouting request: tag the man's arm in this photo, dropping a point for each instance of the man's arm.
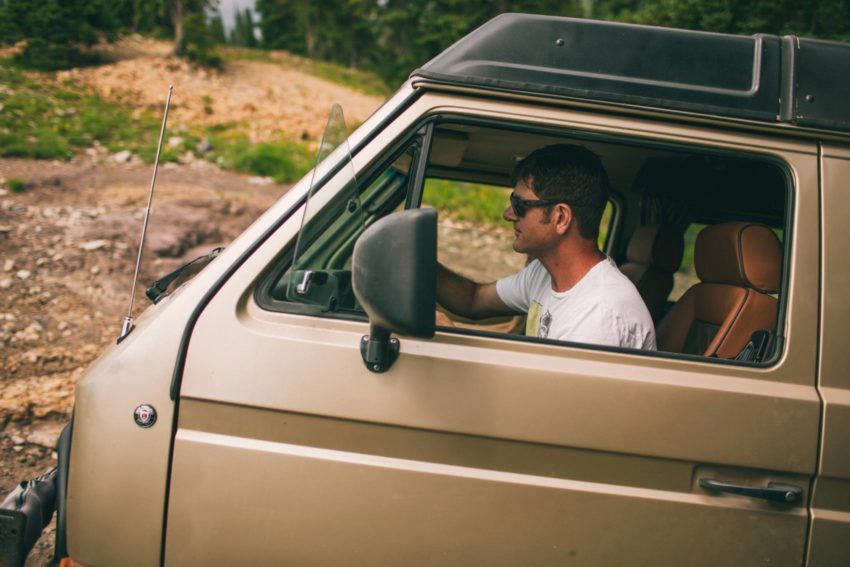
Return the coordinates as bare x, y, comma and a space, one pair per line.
467, 298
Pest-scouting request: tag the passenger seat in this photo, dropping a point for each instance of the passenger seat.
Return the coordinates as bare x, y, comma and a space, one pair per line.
739, 265
653, 256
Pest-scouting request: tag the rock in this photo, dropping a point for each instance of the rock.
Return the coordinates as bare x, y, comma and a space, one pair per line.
5, 283
122, 157
46, 435
23, 274
174, 141
41, 261
17, 439
61, 326
260, 180
93, 245
95, 270
204, 146
8, 265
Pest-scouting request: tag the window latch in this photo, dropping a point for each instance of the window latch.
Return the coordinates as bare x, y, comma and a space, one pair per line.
306, 279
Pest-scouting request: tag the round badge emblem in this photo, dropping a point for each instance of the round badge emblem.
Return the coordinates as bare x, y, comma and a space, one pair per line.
145, 416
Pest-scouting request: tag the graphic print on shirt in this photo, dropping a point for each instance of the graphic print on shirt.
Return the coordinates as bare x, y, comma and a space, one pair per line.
545, 323
538, 323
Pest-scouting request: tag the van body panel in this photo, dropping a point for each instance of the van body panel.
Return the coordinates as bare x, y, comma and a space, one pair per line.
475, 429
831, 496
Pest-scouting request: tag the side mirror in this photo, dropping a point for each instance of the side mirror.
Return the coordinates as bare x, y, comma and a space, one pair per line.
394, 277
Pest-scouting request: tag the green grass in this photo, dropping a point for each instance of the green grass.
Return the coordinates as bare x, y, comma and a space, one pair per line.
43, 119
467, 201
16, 185
482, 203
282, 160
362, 81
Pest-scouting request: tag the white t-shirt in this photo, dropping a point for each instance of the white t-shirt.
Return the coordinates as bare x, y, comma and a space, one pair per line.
603, 308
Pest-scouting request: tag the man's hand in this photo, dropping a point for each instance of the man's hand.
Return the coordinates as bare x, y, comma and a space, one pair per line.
467, 298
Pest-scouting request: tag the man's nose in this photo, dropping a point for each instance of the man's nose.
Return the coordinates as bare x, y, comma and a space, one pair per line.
510, 215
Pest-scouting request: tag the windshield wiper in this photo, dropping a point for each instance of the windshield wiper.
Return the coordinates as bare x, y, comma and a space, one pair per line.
160, 286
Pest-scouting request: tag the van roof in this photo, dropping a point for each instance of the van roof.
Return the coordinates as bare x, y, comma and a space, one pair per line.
762, 77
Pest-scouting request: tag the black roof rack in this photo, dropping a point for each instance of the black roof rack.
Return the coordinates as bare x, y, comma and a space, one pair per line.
761, 77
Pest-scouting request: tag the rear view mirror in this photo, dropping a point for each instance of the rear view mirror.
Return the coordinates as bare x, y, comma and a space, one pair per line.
394, 278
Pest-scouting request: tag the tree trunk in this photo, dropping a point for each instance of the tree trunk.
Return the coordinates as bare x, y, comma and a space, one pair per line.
177, 20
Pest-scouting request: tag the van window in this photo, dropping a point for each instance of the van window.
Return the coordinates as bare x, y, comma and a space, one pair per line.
663, 194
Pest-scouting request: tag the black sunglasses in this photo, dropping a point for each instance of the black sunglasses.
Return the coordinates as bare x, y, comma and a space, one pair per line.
521, 206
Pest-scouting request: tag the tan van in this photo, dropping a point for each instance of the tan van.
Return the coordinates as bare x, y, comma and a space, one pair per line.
295, 403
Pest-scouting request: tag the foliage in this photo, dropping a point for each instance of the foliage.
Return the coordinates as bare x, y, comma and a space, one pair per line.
466, 201
199, 44
827, 19
43, 119
16, 185
243, 29
285, 161
56, 30
394, 37
216, 27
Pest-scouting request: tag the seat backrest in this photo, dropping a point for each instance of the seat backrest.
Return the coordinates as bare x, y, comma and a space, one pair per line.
739, 264
653, 256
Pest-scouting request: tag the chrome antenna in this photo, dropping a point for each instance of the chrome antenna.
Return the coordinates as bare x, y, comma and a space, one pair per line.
127, 324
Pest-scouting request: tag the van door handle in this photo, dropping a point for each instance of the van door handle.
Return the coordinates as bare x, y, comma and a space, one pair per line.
775, 492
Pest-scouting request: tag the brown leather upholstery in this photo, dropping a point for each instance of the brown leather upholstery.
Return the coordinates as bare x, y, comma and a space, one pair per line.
653, 256
739, 264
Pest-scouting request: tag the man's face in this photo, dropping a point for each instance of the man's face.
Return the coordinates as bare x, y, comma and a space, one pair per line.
534, 231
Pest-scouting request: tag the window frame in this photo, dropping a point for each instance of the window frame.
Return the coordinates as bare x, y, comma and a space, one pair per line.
423, 129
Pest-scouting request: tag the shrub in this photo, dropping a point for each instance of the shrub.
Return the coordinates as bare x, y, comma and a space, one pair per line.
16, 185
199, 44
284, 162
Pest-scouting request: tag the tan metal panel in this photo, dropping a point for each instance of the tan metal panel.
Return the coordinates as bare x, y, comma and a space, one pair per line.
322, 507
626, 408
830, 539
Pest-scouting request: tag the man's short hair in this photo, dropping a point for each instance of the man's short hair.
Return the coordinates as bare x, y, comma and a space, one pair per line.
573, 174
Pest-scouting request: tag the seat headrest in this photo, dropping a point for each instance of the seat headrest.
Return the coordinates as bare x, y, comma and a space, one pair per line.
657, 246
739, 253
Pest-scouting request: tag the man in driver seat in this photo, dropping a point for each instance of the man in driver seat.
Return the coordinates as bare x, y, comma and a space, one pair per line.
570, 291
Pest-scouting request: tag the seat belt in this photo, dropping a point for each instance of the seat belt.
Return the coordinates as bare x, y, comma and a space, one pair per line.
756, 348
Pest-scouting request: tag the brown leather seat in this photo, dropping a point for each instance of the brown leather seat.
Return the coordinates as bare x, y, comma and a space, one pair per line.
653, 256
738, 264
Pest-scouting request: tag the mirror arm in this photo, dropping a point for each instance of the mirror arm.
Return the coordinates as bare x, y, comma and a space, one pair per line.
379, 351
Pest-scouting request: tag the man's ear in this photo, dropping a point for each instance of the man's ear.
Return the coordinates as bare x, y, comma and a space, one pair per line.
563, 218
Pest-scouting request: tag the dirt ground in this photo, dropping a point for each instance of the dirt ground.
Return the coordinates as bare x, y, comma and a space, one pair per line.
68, 243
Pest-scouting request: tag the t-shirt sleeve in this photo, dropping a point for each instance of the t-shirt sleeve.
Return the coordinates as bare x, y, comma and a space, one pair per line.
515, 290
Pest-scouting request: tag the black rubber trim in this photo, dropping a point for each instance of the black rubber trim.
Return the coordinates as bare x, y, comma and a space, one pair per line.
63, 450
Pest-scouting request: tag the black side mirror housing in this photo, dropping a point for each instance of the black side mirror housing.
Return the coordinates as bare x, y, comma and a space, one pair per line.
394, 277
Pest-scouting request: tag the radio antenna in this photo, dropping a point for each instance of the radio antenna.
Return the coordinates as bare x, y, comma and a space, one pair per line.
127, 324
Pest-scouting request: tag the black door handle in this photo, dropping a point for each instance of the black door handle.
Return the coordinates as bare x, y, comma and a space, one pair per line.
775, 492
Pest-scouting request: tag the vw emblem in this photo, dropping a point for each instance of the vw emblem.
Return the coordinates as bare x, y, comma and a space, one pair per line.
145, 416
